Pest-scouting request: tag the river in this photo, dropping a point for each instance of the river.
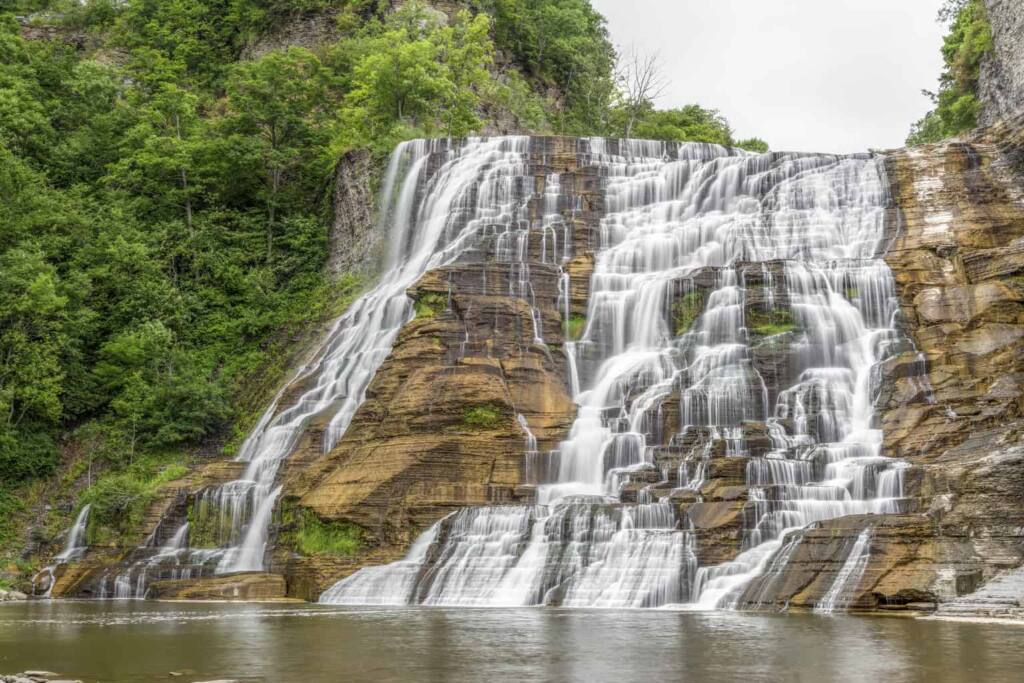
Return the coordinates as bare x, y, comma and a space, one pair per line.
144, 641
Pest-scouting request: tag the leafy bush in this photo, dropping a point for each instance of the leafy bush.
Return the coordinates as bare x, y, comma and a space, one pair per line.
119, 499
315, 536
957, 106
483, 416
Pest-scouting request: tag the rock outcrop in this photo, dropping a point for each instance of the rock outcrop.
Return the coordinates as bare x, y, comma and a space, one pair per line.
355, 241
1001, 82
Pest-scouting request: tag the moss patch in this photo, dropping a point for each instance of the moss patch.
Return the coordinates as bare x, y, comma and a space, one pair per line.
574, 326
685, 311
430, 305
205, 529
770, 323
317, 537
487, 416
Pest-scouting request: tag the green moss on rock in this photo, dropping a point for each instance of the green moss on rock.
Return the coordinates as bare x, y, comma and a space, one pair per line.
575, 326
770, 323
485, 416
430, 305
685, 311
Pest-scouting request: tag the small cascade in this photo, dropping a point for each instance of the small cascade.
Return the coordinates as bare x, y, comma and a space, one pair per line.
583, 552
74, 547
785, 248
839, 595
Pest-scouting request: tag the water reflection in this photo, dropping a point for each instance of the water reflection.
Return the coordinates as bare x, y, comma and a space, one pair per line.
130, 642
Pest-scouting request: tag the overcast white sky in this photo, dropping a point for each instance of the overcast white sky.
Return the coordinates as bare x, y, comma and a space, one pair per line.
805, 75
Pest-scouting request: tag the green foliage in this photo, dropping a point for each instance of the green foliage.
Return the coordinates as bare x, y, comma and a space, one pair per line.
752, 145
483, 416
575, 326
430, 305
314, 536
689, 123
560, 43
685, 311
10, 507
413, 74
119, 499
957, 106
770, 323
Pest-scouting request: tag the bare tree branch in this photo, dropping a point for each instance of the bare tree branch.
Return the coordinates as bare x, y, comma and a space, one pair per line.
641, 80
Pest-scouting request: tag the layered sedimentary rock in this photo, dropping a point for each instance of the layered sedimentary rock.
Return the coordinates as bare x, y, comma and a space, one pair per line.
355, 239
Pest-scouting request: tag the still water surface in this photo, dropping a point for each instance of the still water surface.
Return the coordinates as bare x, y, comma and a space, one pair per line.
124, 641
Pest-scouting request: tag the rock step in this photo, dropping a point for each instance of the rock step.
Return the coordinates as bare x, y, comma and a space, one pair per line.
1002, 596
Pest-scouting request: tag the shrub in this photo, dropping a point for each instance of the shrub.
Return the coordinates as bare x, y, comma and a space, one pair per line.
575, 326
483, 416
315, 536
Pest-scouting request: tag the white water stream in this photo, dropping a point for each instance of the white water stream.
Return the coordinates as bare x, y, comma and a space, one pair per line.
74, 547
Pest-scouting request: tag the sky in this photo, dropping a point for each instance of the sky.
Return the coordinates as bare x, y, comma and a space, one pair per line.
805, 75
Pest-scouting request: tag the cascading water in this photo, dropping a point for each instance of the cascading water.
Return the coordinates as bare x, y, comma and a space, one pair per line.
849, 575
74, 547
439, 199
675, 215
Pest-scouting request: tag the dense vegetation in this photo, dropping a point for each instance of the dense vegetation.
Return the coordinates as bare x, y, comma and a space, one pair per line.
956, 104
166, 202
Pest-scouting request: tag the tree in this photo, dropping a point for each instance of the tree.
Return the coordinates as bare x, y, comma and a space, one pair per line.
416, 73
963, 49
641, 81
32, 316
277, 113
160, 167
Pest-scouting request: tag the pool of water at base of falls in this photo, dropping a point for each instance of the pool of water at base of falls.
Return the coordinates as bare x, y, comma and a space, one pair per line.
131, 642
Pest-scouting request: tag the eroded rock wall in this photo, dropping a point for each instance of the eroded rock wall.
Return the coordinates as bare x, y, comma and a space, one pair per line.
355, 238
1001, 83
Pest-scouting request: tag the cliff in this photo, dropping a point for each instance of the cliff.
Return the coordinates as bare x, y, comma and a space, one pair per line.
1001, 82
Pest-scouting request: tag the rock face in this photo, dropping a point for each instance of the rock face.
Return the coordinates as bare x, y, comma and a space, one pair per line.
1001, 83
355, 241
252, 587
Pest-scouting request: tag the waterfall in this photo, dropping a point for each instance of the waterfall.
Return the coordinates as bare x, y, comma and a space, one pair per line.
848, 577
74, 547
440, 198
681, 226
